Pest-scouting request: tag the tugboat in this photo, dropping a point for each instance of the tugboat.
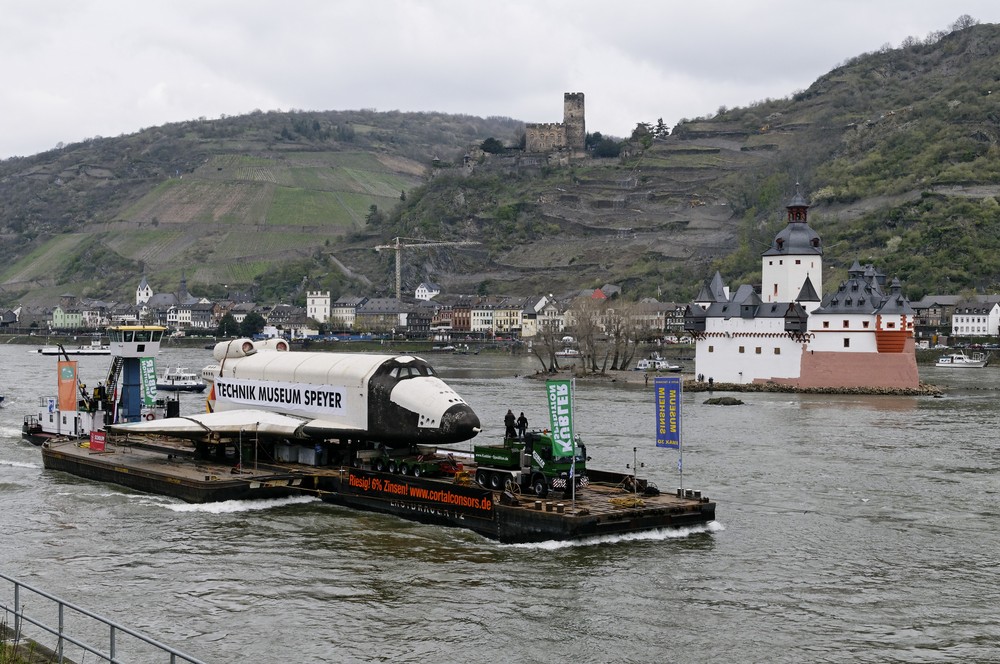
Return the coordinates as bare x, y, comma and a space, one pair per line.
127, 394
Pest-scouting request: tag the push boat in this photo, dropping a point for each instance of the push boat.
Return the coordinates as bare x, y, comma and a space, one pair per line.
180, 379
961, 360
123, 395
391, 458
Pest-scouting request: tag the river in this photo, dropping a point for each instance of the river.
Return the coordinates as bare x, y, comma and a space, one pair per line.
850, 529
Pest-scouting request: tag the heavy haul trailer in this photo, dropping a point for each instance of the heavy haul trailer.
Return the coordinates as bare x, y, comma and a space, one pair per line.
529, 464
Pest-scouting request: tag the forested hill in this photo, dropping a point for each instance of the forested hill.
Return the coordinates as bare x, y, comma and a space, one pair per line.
897, 150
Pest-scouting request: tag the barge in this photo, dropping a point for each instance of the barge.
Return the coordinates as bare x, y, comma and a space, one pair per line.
609, 504
367, 431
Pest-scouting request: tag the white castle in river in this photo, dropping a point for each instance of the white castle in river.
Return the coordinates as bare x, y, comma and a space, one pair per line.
860, 336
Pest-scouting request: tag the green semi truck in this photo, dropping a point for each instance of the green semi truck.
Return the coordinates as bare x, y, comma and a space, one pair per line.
529, 465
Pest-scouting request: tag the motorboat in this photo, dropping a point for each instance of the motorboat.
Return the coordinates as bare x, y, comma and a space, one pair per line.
95, 347
180, 379
655, 364
568, 352
961, 360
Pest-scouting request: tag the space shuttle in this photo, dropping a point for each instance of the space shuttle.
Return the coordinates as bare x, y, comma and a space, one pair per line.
265, 389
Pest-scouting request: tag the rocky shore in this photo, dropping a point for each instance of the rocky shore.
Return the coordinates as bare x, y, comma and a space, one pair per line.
693, 385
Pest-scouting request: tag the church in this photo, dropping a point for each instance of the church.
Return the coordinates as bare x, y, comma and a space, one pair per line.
860, 336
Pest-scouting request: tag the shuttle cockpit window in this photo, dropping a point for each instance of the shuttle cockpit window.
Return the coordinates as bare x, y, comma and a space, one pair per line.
411, 370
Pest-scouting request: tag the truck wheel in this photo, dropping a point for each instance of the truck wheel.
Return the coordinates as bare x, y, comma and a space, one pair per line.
481, 477
403, 470
380, 465
540, 486
496, 481
393, 468
417, 472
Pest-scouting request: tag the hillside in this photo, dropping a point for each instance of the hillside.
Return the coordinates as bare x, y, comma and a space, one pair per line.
898, 154
226, 203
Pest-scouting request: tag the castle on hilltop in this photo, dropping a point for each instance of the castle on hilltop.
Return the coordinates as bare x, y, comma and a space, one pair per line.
570, 134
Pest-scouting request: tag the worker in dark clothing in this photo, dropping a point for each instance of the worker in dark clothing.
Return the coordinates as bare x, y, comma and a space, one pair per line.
522, 426
509, 421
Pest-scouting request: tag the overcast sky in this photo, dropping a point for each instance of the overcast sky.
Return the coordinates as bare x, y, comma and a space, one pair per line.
76, 69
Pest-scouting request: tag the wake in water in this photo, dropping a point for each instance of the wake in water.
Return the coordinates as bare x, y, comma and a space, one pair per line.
658, 535
19, 464
233, 506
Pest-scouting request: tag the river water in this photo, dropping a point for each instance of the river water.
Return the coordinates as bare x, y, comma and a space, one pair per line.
850, 529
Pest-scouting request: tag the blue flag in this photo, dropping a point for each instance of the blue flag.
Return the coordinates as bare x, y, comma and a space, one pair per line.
667, 390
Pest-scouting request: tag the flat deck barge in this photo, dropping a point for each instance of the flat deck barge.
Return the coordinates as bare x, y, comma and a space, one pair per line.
611, 503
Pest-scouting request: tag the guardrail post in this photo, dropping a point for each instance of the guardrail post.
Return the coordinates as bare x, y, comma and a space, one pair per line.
112, 645
17, 610
59, 646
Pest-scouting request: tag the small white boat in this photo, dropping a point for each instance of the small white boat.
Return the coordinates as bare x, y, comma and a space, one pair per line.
568, 352
94, 348
178, 379
654, 364
961, 360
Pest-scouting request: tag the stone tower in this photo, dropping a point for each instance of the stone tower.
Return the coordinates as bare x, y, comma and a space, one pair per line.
573, 121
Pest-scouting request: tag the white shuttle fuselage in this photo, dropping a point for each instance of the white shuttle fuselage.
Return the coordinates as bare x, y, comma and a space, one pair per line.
379, 397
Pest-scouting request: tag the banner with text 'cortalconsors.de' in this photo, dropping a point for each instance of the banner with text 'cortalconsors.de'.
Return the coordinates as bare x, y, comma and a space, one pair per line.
560, 400
668, 410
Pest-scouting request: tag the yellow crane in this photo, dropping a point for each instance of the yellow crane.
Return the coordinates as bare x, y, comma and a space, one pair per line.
399, 242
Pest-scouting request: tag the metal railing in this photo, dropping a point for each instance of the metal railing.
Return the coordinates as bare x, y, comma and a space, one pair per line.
65, 613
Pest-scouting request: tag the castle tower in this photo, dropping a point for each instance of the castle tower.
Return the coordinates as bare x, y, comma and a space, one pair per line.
795, 256
574, 122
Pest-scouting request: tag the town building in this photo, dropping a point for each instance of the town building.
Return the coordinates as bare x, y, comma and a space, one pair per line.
318, 305
427, 290
976, 317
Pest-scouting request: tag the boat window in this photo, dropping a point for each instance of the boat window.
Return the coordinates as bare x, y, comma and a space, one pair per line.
142, 335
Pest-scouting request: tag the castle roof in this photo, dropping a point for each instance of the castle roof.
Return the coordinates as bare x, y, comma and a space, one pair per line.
797, 238
807, 293
863, 293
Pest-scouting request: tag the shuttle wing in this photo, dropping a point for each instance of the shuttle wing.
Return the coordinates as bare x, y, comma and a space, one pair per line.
234, 422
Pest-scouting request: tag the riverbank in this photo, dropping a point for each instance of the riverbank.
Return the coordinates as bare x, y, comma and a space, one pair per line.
693, 385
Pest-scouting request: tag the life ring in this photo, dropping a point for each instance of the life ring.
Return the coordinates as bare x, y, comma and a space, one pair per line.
150, 416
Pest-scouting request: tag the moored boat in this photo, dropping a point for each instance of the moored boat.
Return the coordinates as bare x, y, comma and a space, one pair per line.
960, 360
95, 347
651, 364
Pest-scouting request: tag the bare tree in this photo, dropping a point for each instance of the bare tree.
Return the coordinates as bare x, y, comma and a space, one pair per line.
544, 348
587, 313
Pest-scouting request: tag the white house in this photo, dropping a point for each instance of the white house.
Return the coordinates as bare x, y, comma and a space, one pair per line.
427, 290
978, 317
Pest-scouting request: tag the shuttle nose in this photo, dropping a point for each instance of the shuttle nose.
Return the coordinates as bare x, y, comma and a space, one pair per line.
460, 423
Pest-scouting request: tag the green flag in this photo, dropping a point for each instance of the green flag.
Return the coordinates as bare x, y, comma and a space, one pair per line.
147, 377
561, 416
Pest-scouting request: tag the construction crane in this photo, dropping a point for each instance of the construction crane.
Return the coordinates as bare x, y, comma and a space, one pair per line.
399, 242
